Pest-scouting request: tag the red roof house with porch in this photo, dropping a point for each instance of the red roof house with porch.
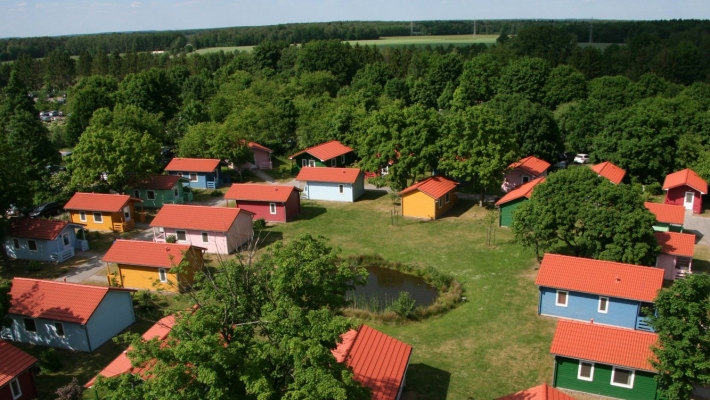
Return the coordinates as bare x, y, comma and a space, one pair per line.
328, 154
17, 380
610, 171
676, 257
685, 188
275, 203
378, 361
262, 156
524, 171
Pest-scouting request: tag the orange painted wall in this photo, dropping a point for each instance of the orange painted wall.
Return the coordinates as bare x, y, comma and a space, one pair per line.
419, 205
107, 222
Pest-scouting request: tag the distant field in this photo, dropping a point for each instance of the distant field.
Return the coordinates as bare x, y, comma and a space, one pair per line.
225, 49
444, 40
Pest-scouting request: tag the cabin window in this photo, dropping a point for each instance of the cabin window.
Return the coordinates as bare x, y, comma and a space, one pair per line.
447, 198
526, 179
561, 299
193, 177
342, 159
127, 212
176, 192
82, 216
440, 202
30, 325
137, 194
150, 194
603, 305
585, 371
32, 245
622, 377
179, 174
181, 235
334, 162
272, 208
15, 389
15, 243
304, 163
98, 218
59, 328
341, 189
163, 274
311, 163
65, 239
689, 197
205, 237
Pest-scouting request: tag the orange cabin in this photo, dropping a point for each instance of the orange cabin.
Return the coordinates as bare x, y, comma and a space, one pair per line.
103, 212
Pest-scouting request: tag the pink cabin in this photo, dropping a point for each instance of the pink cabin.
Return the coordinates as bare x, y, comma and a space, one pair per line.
523, 171
685, 188
274, 203
610, 171
262, 156
676, 258
219, 230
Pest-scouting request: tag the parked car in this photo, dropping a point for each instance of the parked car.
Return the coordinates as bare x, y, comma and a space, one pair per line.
47, 210
581, 158
15, 211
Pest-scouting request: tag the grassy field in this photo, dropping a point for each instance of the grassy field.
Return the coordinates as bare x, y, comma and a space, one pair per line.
419, 41
225, 49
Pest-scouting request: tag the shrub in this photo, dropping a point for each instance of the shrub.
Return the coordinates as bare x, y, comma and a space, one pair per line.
34, 266
49, 361
654, 188
171, 239
70, 391
145, 300
403, 305
259, 224
216, 193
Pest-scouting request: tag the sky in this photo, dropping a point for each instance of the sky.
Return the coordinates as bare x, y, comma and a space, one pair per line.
23, 18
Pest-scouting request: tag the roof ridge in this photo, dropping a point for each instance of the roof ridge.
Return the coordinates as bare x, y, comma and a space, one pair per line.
605, 326
63, 283
357, 335
600, 261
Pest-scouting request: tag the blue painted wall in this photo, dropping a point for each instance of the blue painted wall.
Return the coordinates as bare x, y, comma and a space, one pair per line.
74, 338
45, 248
203, 178
114, 314
331, 192
584, 306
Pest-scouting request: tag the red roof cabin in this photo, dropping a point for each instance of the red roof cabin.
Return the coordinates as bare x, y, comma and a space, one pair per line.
332, 184
328, 154
103, 212
17, 378
685, 188
430, 198
378, 361
513, 199
610, 171
202, 173
523, 171
540, 392
676, 258
262, 156
274, 203
668, 217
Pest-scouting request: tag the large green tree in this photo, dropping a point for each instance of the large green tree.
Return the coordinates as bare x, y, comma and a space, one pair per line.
87, 96
681, 320
262, 329
576, 211
152, 90
526, 77
5, 302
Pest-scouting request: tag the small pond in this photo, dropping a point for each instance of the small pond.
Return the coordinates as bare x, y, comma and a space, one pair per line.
384, 285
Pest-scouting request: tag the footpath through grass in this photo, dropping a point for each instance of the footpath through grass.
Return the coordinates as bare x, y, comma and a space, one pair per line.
493, 344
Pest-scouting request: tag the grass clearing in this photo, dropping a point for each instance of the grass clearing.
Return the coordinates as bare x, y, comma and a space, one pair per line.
421, 41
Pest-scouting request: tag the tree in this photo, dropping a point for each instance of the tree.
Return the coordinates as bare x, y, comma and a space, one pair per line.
547, 41
333, 56
477, 82
58, 70
565, 84
87, 96
5, 302
261, 329
525, 76
151, 90
71, 391
681, 318
477, 145
589, 215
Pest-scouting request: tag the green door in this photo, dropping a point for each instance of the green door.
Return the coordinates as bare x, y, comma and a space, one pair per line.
506, 212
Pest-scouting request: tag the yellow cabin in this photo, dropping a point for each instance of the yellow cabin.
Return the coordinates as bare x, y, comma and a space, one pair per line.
165, 267
103, 212
429, 199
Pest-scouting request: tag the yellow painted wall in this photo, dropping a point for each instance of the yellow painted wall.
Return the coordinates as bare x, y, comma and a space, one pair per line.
446, 207
140, 277
419, 205
108, 219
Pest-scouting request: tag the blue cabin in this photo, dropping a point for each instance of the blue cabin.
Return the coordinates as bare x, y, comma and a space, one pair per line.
202, 173
606, 292
332, 184
42, 240
67, 315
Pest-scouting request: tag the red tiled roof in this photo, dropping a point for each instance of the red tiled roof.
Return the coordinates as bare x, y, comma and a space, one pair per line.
42, 229
14, 362
531, 165
122, 364
98, 202
255, 192
148, 254
336, 175
378, 361
159, 182
610, 172
667, 213
192, 164
540, 392
325, 151
205, 218
626, 281
686, 177
522, 191
254, 145
434, 187
59, 301
676, 244
604, 344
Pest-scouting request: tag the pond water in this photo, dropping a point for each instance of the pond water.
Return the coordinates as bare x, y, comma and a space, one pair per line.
384, 285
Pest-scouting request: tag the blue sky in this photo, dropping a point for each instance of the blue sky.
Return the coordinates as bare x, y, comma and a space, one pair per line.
51, 18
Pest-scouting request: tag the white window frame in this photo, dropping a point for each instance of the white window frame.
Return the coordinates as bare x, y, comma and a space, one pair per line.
334, 162
176, 192
627, 386
163, 275
341, 189
29, 247
137, 193
440, 202
272, 208
147, 194
177, 236
82, 216
100, 220
311, 163
56, 324
197, 178
589, 378
205, 237
599, 306
342, 159
65, 239
15, 389
447, 197
304, 162
15, 244
557, 298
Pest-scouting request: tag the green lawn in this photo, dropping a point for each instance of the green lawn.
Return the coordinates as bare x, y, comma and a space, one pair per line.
493, 344
443, 40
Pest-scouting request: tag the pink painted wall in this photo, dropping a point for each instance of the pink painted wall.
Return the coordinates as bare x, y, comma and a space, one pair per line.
261, 156
217, 242
515, 176
240, 232
676, 197
667, 262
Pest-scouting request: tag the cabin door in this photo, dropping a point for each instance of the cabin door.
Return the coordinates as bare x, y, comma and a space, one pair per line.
688, 201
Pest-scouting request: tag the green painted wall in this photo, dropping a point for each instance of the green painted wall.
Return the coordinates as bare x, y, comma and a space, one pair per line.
506, 211
566, 377
349, 159
161, 197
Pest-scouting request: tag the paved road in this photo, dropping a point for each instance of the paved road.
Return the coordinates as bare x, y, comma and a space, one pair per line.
700, 226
